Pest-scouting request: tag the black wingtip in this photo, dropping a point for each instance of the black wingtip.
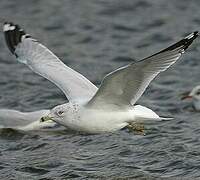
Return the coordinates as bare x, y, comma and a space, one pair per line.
183, 44
13, 35
187, 41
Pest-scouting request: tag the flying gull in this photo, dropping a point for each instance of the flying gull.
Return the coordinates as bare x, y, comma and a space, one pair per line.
90, 109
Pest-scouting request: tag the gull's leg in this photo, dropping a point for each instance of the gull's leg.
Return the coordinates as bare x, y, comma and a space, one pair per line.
137, 127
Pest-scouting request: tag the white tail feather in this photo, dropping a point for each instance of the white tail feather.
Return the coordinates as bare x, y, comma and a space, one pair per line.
145, 114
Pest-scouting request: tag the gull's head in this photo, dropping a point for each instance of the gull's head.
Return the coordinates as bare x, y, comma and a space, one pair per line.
194, 94
57, 114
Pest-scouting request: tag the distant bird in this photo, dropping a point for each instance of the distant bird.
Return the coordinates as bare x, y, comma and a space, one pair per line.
92, 110
194, 95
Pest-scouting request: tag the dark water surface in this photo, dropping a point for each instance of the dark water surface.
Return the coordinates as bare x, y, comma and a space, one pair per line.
95, 37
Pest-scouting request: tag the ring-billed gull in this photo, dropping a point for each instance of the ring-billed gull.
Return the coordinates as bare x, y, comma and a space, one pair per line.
93, 110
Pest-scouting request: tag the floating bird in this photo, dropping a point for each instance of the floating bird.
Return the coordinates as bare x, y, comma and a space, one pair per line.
92, 110
194, 95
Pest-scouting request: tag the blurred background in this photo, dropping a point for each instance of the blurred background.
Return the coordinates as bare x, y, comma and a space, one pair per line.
95, 37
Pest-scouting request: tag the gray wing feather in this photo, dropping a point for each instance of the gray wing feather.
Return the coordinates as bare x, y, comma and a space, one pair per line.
124, 86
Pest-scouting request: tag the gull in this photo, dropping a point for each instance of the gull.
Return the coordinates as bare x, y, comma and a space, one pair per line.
26, 121
194, 95
108, 108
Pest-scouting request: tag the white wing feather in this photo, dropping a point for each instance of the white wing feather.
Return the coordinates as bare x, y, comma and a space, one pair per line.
42, 61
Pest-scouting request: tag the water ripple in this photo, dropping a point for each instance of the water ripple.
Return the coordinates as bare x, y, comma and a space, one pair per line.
94, 38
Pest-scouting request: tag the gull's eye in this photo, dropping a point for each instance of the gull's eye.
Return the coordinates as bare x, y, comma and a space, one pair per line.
60, 112
198, 93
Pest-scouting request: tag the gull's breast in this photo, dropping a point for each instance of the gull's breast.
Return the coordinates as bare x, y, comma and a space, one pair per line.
94, 121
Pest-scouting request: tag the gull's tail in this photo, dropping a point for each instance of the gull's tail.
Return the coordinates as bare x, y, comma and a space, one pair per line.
143, 114
166, 118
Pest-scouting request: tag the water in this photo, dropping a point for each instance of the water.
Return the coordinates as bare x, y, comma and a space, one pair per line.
94, 38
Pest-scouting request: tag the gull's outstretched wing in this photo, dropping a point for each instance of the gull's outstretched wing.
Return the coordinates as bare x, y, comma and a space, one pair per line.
42, 61
124, 86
